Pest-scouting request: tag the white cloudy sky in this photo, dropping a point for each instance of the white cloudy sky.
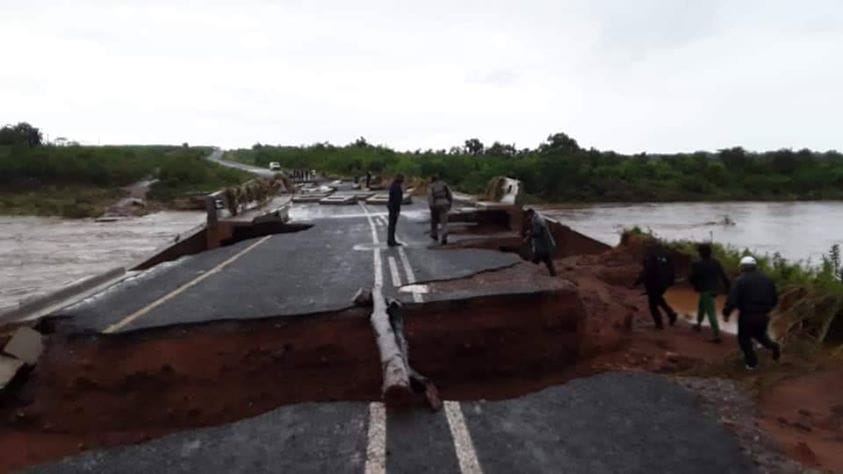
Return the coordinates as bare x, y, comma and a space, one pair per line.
628, 75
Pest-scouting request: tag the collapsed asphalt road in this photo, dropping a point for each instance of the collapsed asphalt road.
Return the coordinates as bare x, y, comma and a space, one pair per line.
614, 422
313, 271
609, 423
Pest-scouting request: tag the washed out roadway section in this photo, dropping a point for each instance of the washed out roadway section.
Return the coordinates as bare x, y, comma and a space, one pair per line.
615, 422
312, 271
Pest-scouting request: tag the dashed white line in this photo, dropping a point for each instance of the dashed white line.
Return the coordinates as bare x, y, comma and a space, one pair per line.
376, 445
393, 269
137, 314
463, 445
411, 275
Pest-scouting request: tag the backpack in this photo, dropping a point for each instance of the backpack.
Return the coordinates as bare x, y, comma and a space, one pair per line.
659, 271
667, 274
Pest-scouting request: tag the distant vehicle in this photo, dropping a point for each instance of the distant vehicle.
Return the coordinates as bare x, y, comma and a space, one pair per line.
275, 166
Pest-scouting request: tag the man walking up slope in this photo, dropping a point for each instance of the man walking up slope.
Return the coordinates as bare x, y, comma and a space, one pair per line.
754, 295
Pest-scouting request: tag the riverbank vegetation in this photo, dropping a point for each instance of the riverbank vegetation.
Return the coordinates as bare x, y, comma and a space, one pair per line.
809, 316
560, 170
81, 181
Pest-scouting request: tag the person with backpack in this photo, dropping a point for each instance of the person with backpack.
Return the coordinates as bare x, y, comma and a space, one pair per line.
439, 199
706, 275
657, 275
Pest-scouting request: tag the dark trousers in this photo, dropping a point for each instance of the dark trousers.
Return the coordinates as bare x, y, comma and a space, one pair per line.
754, 326
393, 221
539, 258
655, 298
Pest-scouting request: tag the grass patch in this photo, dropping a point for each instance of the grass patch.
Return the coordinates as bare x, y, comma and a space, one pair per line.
65, 201
81, 181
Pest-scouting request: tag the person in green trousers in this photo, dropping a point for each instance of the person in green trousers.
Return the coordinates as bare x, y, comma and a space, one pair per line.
706, 275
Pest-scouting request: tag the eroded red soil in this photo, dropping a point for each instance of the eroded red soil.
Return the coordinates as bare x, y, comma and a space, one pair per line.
805, 415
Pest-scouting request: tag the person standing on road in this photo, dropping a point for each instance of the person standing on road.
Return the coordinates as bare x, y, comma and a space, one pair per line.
706, 275
658, 275
542, 245
754, 295
439, 199
396, 196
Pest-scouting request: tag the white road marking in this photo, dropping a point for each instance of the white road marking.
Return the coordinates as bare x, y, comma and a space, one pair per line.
371, 223
411, 275
393, 269
137, 314
376, 446
463, 445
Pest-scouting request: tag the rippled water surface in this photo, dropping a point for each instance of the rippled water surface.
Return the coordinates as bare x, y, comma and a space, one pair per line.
42, 254
797, 230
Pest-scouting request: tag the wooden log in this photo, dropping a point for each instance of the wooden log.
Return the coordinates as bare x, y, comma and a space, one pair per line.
396, 374
418, 382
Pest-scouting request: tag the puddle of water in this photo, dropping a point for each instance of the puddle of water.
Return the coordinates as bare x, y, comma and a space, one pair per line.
42, 254
684, 301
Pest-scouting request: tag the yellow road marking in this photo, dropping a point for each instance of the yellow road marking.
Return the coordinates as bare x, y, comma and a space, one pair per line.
137, 314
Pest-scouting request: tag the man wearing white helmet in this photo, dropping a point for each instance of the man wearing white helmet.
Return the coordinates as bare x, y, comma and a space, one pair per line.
754, 296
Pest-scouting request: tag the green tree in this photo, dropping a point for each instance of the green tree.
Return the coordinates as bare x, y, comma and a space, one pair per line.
20, 134
499, 149
561, 143
474, 146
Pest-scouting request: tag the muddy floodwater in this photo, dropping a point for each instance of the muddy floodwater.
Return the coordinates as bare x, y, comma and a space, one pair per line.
41, 254
797, 230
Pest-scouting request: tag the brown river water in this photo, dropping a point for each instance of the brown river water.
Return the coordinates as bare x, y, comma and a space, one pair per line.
41, 254
797, 230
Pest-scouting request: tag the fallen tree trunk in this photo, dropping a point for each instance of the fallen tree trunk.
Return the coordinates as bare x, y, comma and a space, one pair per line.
396, 373
418, 382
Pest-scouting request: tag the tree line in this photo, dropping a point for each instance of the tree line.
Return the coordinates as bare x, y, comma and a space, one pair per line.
560, 170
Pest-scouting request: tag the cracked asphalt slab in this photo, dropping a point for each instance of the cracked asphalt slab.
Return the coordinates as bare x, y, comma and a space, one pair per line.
614, 422
312, 271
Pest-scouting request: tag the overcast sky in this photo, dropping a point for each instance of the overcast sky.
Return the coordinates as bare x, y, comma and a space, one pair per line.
631, 76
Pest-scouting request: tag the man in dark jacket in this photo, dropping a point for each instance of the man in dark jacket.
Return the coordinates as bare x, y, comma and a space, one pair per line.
396, 196
754, 296
657, 275
706, 275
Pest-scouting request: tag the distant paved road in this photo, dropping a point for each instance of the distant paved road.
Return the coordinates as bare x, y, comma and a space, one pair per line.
216, 157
